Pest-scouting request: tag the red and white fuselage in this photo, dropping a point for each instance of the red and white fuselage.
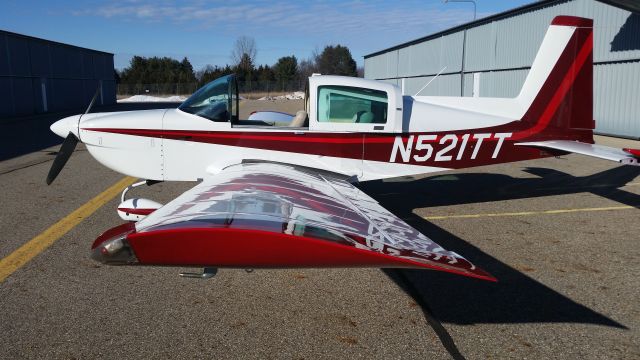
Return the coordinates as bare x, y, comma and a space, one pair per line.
422, 134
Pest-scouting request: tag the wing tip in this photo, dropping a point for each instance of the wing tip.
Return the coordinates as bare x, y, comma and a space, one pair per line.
486, 276
475, 273
634, 152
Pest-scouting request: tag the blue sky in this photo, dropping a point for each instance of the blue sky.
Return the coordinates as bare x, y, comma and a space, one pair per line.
205, 31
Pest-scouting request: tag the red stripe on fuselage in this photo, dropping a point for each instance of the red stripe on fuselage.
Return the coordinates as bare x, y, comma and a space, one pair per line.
344, 145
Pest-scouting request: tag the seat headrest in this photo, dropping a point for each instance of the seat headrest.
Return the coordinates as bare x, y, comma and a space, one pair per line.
300, 120
367, 117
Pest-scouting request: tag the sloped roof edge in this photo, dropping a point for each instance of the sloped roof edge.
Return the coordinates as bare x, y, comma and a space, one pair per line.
630, 5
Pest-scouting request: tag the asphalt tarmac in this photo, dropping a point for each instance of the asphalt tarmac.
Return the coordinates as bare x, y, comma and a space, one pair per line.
560, 234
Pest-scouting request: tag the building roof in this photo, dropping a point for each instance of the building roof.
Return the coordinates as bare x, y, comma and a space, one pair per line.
50, 41
631, 5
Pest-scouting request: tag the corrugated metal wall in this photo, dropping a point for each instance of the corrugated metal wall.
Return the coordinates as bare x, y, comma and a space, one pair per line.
37, 76
503, 50
617, 98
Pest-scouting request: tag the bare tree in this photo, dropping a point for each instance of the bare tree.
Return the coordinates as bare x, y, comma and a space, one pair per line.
315, 55
306, 68
245, 47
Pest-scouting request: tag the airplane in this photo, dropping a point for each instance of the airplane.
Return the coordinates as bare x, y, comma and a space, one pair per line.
277, 190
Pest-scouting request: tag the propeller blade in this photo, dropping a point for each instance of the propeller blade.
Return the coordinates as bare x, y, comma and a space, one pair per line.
63, 156
93, 99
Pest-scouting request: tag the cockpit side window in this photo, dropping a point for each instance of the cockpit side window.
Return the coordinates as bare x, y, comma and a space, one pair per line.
212, 101
345, 104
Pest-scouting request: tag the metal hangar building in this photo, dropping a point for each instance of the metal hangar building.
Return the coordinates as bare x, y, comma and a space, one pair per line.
491, 57
38, 76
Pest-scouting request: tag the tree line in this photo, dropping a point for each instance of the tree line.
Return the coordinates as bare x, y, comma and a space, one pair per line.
171, 75
333, 60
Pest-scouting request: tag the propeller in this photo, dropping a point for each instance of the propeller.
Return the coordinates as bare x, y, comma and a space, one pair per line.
68, 146
63, 156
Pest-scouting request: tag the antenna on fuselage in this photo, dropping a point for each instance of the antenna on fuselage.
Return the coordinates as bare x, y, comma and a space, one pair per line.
424, 87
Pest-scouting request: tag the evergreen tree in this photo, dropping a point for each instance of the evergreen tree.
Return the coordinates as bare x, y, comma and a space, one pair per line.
245, 71
336, 60
165, 73
285, 69
210, 73
265, 74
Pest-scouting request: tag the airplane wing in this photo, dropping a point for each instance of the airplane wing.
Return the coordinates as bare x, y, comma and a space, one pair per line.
623, 156
265, 215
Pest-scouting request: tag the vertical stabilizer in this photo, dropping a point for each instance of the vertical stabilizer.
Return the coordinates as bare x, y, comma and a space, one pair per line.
559, 86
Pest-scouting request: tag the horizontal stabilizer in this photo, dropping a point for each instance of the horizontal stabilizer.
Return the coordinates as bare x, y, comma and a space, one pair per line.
626, 156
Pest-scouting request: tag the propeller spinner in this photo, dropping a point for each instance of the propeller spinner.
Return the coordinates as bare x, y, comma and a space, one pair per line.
69, 127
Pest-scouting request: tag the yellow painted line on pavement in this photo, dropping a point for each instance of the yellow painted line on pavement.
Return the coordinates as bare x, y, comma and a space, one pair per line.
527, 213
35, 246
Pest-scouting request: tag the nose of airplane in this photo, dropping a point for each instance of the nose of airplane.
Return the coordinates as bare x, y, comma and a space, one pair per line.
65, 126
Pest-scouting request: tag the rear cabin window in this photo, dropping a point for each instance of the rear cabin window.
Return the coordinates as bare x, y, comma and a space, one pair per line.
345, 104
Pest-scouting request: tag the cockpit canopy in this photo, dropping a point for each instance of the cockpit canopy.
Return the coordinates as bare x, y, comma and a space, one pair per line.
216, 101
331, 103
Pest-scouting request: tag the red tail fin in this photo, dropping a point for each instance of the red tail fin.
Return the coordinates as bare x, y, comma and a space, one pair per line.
563, 104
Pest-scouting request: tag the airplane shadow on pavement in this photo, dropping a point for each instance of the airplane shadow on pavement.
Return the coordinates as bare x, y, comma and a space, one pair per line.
24, 135
516, 298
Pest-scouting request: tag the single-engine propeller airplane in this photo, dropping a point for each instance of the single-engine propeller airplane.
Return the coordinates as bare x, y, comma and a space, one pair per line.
277, 191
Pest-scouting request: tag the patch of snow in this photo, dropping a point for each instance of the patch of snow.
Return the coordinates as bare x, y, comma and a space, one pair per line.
298, 95
149, 98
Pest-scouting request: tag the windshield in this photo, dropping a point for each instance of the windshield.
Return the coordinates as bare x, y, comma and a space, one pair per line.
211, 101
